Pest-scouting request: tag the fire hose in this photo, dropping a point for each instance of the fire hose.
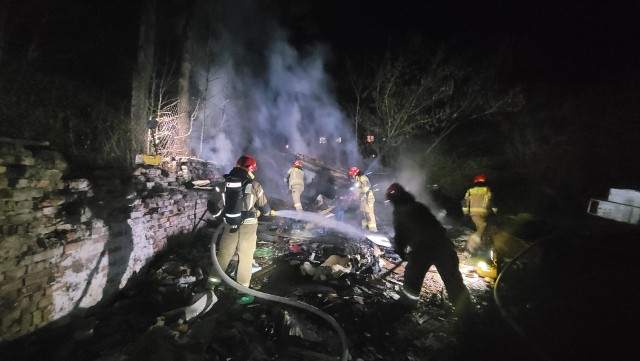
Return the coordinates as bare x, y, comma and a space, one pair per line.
243, 289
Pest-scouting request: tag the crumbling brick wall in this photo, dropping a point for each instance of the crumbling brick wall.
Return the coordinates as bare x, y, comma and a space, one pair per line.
68, 244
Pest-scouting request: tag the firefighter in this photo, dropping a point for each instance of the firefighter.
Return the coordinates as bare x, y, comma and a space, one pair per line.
295, 181
422, 241
477, 204
367, 198
243, 239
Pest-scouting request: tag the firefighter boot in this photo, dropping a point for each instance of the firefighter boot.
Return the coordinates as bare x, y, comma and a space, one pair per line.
245, 299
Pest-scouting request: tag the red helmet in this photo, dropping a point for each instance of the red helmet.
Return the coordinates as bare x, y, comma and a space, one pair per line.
480, 178
247, 163
393, 190
353, 171
297, 163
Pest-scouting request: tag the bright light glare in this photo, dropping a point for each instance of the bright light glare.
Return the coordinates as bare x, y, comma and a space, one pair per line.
379, 240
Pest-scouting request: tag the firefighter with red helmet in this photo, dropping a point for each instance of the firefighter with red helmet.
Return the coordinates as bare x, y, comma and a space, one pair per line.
242, 240
477, 204
422, 241
295, 180
367, 198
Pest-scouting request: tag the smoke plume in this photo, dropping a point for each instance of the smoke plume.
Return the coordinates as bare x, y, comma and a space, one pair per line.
267, 99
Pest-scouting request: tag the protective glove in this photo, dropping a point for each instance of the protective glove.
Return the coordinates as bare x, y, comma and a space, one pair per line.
271, 213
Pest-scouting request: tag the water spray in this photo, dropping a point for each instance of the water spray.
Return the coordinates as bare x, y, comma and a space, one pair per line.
206, 302
334, 224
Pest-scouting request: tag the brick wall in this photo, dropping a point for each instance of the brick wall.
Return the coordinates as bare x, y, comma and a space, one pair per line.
68, 244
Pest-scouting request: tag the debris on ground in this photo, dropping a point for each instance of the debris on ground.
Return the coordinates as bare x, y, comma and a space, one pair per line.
353, 280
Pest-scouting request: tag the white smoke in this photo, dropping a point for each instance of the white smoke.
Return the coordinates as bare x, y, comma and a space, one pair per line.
413, 176
267, 99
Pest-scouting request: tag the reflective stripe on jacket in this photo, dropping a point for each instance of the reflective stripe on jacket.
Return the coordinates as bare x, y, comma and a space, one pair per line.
295, 176
364, 185
477, 201
257, 199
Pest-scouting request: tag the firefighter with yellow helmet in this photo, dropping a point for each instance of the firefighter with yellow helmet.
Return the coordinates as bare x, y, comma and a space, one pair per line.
295, 181
477, 204
367, 198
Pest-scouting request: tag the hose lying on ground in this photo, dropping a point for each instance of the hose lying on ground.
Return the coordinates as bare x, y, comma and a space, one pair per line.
343, 338
503, 309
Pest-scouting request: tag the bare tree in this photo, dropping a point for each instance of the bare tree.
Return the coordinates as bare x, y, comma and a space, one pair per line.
141, 92
3, 28
406, 96
184, 81
162, 79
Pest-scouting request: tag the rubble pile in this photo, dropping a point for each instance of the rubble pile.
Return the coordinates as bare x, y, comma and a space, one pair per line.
536, 309
361, 298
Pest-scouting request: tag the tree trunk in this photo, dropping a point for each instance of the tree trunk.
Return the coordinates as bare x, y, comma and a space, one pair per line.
141, 82
3, 34
184, 114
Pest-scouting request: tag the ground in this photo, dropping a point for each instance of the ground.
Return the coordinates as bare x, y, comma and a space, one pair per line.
516, 322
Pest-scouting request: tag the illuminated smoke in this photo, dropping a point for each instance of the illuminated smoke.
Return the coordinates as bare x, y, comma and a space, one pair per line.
413, 177
262, 95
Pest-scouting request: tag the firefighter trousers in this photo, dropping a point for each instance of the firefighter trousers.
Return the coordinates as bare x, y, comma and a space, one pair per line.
369, 217
243, 241
447, 264
296, 192
480, 221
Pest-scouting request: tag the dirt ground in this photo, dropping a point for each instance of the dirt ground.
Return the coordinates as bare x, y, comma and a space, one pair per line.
521, 325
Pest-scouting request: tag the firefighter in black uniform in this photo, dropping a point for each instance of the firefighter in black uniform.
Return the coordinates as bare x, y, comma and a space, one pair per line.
422, 241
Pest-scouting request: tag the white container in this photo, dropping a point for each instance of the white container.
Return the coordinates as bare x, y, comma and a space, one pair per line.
616, 211
624, 196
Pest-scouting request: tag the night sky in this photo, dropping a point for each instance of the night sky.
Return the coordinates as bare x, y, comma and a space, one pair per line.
576, 61
569, 43
564, 42
582, 53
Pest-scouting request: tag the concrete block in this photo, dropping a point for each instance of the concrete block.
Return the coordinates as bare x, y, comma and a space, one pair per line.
18, 194
26, 320
42, 183
10, 288
37, 318
73, 247
23, 183
36, 193
40, 278
20, 219
45, 302
9, 319
15, 273
52, 253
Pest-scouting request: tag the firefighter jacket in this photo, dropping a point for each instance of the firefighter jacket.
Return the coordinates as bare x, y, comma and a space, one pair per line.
477, 201
363, 185
295, 176
255, 200
417, 228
